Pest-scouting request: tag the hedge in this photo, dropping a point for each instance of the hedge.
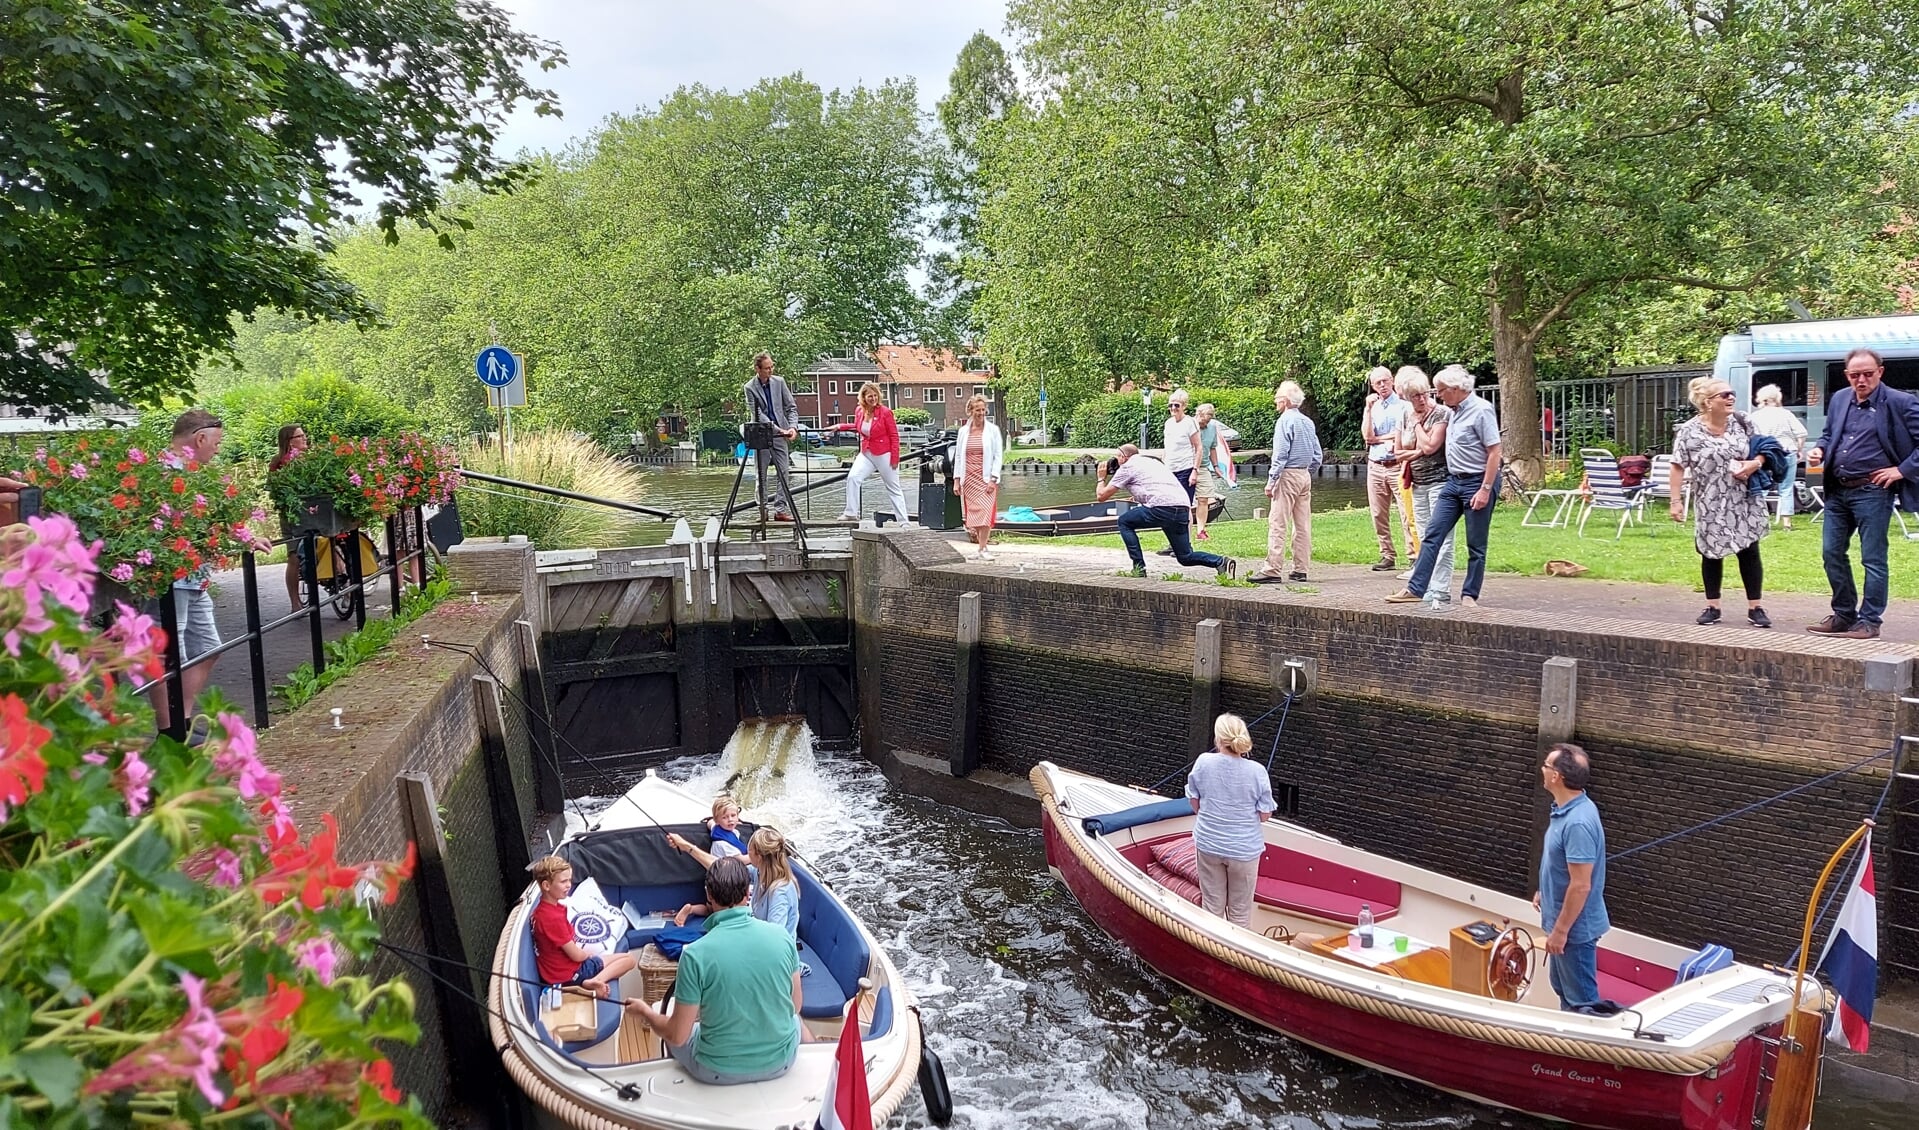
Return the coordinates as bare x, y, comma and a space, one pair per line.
1113, 419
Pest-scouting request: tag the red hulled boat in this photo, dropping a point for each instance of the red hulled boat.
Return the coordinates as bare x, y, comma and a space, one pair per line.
1455, 1006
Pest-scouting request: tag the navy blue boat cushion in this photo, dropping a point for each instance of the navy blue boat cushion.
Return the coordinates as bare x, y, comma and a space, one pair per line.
882, 1021
1133, 817
528, 970
820, 995
830, 932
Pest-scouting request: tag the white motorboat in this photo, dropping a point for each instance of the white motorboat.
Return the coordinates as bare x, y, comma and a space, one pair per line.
617, 1074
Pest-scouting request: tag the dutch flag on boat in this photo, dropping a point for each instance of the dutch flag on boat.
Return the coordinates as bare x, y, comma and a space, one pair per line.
1851, 960
847, 1105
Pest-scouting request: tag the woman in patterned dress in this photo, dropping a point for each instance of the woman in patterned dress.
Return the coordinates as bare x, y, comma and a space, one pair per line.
1710, 455
976, 465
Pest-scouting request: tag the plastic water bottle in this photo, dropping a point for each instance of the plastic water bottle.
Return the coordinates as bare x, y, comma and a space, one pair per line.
1365, 930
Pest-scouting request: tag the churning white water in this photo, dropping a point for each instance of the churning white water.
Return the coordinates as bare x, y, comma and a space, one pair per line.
1042, 1020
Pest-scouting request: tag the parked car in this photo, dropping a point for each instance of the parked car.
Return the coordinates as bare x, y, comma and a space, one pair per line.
1031, 437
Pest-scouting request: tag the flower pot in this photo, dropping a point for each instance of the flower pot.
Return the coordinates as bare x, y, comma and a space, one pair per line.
316, 514
106, 593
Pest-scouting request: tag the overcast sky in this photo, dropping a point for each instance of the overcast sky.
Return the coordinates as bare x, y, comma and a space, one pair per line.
627, 54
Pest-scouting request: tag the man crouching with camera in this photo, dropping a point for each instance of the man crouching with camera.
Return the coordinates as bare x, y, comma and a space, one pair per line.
1159, 503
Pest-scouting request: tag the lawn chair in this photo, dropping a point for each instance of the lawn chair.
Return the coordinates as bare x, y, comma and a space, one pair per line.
1562, 501
1604, 491
1659, 484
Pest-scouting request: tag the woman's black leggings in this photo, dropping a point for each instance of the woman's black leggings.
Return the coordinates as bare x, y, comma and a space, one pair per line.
1712, 570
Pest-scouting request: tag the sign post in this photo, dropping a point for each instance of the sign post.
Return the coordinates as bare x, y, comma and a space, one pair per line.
498, 368
1046, 436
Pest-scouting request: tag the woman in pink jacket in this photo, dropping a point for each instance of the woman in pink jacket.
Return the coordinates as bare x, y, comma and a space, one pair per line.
879, 454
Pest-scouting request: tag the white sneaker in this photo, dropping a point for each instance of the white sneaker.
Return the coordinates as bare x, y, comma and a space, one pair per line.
984, 555
1406, 576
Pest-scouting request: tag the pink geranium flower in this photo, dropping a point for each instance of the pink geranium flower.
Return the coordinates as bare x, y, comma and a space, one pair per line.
318, 957
238, 759
190, 1049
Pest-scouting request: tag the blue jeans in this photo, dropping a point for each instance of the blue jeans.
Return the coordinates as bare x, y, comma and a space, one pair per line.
1575, 974
1867, 509
1455, 501
1171, 521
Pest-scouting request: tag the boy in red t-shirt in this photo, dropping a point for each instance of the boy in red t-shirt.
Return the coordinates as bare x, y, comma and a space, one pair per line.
561, 960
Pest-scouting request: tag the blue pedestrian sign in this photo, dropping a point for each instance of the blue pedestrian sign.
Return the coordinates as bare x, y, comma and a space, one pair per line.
1042, 397
496, 366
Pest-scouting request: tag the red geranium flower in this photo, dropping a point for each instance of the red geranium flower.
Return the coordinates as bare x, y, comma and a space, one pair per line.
22, 772
180, 484
379, 1074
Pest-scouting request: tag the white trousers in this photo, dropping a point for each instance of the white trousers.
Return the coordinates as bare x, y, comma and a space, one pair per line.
865, 467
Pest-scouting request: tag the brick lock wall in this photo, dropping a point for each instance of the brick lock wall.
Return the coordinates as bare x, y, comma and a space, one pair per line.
1421, 739
410, 709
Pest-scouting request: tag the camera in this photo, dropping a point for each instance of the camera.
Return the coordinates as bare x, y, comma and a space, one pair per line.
1112, 466
760, 435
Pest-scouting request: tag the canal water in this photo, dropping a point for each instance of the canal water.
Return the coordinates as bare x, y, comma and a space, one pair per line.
699, 491
1043, 1021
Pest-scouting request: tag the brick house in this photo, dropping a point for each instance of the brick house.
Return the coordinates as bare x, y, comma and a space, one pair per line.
937, 381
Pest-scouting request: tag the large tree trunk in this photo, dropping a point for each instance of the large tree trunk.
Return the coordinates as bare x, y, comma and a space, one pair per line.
1514, 360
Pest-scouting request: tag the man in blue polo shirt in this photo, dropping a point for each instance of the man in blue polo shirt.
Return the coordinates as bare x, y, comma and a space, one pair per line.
1572, 879
737, 995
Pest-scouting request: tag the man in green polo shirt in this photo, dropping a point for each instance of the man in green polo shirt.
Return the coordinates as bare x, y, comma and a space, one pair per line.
737, 999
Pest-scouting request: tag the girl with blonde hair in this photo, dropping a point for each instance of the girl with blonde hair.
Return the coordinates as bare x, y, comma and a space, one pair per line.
775, 894
1231, 798
879, 455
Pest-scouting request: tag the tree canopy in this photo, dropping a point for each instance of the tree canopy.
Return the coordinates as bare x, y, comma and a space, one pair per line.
166, 165
1215, 189
646, 265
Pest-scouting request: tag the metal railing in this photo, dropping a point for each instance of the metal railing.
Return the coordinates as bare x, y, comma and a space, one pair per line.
406, 540
1635, 413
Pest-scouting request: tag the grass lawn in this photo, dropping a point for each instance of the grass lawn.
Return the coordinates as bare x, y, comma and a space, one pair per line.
1664, 556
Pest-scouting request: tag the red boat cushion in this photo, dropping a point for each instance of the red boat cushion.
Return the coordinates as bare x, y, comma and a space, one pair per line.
1629, 980
1288, 880
1174, 882
1178, 855
1292, 880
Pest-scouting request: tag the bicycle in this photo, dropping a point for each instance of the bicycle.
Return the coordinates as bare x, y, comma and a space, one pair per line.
331, 572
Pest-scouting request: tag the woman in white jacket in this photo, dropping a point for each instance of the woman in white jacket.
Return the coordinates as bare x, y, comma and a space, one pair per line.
976, 465
1772, 418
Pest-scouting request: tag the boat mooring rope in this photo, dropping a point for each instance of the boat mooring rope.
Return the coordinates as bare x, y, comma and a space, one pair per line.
1284, 707
1670, 1063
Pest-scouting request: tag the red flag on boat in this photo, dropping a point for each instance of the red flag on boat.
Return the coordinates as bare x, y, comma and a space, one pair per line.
847, 1106
1851, 960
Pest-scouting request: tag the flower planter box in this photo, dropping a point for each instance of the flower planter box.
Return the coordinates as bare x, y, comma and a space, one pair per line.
317, 515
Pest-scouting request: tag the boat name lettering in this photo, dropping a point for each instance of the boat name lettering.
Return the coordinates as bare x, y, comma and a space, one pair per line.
1573, 1076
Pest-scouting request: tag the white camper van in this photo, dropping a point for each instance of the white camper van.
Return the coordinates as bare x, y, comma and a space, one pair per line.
1807, 360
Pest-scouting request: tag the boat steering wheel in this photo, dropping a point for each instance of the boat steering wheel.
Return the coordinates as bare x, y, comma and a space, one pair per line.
1509, 965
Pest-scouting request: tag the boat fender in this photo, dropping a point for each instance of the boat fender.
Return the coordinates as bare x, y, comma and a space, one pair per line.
933, 1089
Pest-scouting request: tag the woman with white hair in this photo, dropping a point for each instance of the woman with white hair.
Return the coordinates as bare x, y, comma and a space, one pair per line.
1181, 436
1422, 450
1771, 418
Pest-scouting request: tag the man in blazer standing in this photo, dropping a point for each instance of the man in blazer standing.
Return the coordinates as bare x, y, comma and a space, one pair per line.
1869, 451
768, 400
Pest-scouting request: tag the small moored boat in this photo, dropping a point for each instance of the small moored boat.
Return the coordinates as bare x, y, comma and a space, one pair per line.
1457, 1008
1078, 518
615, 1073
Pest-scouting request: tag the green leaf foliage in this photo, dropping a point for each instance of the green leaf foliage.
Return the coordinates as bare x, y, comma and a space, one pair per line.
645, 266
1114, 418
325, 404
166, 165
1310, 188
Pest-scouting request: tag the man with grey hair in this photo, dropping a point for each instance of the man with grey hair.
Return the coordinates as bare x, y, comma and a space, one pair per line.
1470, 490
1296, 457
1380, 424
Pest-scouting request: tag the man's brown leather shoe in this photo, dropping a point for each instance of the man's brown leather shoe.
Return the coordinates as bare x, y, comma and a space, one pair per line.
1862, 631
1832, 626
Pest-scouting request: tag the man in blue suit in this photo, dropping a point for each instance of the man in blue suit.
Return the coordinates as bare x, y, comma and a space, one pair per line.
1869, 451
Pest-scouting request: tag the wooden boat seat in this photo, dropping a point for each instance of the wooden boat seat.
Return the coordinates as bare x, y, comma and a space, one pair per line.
1629, 980
1288, 880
